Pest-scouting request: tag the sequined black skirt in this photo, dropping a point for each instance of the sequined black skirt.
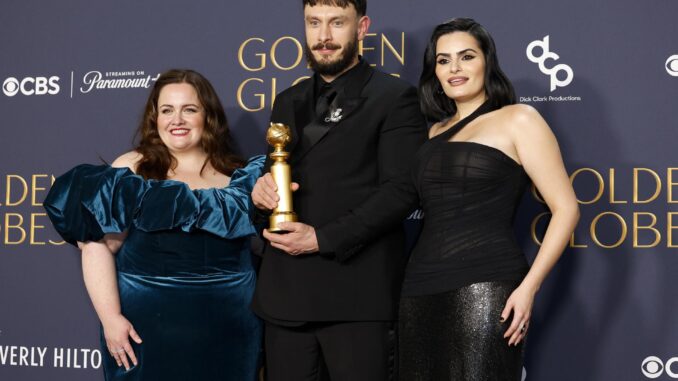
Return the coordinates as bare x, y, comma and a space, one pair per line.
457, 335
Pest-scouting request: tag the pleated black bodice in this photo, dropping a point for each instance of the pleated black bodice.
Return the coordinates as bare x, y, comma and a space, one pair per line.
469, 193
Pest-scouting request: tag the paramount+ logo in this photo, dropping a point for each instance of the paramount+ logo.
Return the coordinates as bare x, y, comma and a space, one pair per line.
654, 367
31, 86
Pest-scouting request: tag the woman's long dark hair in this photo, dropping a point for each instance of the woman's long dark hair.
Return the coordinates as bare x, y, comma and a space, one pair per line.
216, 138
434, 103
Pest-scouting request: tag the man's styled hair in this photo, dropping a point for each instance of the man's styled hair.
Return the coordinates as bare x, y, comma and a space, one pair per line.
359, 5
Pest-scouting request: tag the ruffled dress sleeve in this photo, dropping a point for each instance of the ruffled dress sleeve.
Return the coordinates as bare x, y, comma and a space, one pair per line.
90, 201
225, 212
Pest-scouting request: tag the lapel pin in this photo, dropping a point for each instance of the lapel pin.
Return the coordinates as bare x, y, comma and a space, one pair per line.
334, 117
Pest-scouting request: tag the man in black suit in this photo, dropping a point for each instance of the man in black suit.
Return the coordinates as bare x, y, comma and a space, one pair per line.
328, 288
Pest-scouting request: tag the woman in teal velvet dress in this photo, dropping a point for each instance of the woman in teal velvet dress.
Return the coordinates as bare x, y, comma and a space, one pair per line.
164, 234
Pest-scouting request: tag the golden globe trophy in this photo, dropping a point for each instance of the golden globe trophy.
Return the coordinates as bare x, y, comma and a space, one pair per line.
278, 135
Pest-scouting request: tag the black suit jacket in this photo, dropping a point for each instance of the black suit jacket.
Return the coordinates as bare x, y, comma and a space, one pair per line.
348, 193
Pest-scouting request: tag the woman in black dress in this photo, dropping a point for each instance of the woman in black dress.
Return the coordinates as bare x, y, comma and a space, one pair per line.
468, 290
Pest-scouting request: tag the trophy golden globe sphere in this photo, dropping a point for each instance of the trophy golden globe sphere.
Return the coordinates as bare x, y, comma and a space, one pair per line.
278, 135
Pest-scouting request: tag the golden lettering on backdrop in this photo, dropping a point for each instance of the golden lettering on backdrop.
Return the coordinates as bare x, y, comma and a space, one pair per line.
299, 51
385, 45
670, 226
670, 185
15, 179
651, 227
636, 185
286, 54
622, 225
261, 56
644, 188
22, 219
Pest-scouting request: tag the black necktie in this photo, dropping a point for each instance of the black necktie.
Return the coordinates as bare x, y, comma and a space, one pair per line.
324, 100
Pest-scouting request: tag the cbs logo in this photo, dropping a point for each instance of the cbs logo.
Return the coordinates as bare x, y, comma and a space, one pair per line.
541, 60
654, 367
31, 86
671, 65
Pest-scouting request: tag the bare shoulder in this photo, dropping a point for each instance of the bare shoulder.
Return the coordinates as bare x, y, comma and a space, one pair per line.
128, 160
521, 113
523, 119
528, 131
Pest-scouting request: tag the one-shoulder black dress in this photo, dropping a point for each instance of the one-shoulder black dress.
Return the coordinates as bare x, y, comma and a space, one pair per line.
465, 265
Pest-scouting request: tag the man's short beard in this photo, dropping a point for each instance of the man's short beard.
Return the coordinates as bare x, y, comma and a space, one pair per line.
333, 68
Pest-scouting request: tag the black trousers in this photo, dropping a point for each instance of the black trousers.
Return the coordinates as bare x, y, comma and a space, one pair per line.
338, 351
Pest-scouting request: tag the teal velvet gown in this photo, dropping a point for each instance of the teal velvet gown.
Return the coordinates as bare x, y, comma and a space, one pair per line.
184, 271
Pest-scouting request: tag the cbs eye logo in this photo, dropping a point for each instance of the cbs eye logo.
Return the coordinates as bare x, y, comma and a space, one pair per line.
654, 367
31, 86
671, 65
552, 71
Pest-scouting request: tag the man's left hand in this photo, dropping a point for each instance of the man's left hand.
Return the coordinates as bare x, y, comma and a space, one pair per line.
299, 238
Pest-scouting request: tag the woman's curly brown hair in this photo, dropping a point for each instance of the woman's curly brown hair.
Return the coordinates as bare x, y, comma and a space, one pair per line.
216, 141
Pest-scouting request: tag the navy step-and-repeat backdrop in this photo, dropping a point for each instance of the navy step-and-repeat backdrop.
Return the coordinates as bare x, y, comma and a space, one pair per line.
75, 75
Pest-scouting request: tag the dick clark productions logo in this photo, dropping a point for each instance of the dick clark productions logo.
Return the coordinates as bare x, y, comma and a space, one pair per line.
654, 367
552, 72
